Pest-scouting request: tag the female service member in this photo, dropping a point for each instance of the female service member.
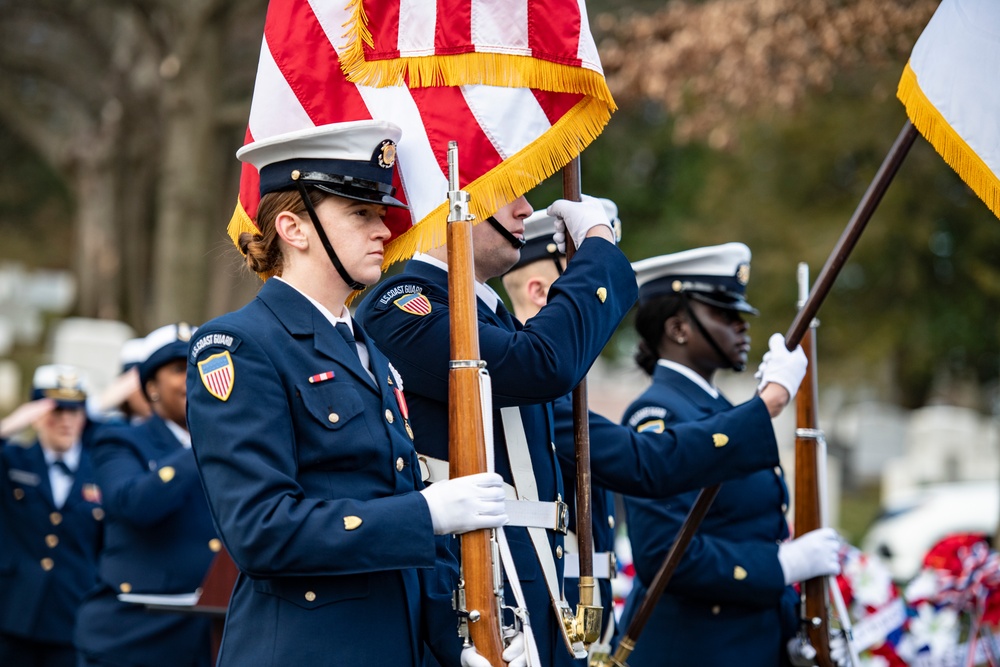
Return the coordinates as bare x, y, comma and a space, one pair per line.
302, 433
158, 539
730, 601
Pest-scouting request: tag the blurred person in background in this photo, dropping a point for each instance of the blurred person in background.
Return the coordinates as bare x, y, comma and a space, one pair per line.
731, 600
50, 522
124, 400
159, 537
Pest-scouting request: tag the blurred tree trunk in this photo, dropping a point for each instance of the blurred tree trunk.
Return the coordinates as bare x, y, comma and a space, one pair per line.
122, 98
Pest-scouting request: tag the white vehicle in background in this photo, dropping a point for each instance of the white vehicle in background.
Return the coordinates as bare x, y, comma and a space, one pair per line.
910, 525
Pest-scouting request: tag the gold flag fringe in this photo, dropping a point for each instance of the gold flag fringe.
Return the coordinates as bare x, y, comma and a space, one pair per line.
240, 223
511, 178
490, 69
947, 142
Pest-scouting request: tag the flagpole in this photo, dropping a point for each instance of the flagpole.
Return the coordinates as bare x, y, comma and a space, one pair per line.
834, 263
587, 623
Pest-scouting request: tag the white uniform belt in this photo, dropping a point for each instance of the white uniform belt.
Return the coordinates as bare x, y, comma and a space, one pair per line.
525, 513
604, 565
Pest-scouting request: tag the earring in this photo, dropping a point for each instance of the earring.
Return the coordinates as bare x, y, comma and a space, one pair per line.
153, 398
680, 340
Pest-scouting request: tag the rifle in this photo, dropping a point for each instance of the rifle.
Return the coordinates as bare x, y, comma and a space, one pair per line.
479, 597
810, 450
586, 625
834, 263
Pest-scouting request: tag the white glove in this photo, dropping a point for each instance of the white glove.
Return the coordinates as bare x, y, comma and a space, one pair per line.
815, 554
466, 503
577, 218
514, 655
781, 366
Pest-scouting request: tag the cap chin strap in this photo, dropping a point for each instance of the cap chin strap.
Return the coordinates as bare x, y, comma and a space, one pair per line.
511, 239
736, 366
351, 282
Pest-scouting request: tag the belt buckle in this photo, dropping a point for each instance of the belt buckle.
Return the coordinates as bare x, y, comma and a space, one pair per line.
562, 517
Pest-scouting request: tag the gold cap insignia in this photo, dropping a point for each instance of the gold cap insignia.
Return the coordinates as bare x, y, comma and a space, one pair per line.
743, 274
387, 154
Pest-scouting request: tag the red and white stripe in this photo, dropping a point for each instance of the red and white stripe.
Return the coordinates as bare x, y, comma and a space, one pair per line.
219, 381
300, 84
552, 30
321, 377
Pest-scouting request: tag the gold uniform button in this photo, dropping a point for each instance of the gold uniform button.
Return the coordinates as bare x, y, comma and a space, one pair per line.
400, 464
55, 518
351, 522
47, 564
333, 417
716, 610
166, 474
52, 540
18, 494
739, 574
388, 416
611, 522
215, 545
559, 552
98, 514
602, 294
310, 596
125, 587
720, 439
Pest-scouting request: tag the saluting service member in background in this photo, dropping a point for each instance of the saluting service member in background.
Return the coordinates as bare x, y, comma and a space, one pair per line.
159, 537
730, 601
303, 436
533, 365
50, 523
527, 284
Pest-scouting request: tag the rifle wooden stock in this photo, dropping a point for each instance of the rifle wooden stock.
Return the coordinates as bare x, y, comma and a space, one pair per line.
581, 432
466, 442
808, 500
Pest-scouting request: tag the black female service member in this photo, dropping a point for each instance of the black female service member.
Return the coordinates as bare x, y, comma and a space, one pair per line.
302, 435
730, 601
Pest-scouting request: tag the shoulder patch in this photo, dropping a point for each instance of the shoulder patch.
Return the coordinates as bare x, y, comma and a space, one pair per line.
652, 425
645, 414
397, 293
218, 339
218, 375
414, 304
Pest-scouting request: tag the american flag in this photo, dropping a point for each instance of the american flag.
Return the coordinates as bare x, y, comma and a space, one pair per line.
509, 138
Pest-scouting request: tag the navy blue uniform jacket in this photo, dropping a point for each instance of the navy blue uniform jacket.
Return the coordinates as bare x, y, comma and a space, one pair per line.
314, 484
159, 539
727, 603
530, 367
48, 557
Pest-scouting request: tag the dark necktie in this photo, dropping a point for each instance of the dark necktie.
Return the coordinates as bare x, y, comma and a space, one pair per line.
61, 465
345, 332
